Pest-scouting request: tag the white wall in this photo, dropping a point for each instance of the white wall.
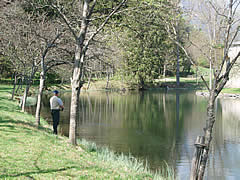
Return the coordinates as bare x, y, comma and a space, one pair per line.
234, 77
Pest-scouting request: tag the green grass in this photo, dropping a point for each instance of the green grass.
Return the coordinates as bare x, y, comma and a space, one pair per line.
101, 84
189, 82
231, 90
27, 152
202, 70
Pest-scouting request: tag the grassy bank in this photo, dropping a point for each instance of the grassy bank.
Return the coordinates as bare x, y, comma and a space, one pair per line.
30, 153
231, 90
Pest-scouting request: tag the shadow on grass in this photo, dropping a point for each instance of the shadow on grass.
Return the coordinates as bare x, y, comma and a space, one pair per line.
3, 98
4, 123
8, 109
5, 106
5, 89
28, 174
8, 126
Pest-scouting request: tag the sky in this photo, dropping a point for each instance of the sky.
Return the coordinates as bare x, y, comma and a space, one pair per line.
197, 8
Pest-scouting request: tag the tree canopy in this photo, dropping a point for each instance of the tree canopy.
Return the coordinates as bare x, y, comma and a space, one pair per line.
138, 42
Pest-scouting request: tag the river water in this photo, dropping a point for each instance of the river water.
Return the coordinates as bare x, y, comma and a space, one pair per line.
158, 126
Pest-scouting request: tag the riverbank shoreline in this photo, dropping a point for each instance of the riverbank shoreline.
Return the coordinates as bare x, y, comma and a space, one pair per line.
119, 86
221, 95
30, 152
233, 93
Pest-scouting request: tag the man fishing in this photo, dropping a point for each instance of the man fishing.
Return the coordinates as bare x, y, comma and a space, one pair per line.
56, 105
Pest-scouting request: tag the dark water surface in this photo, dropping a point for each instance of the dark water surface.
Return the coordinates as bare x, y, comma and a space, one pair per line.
159, 127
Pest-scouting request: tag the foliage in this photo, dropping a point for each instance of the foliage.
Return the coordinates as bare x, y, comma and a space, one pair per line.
135, 42
51, 77
39, 8
203, 62
105, 7
5, 67
231, 90
147, 46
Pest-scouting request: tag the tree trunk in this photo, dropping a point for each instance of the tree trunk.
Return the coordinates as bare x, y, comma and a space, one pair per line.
201, 155
107, 80
208, 134
28, 84
199, 145
210, 69
19, 84
177, 70
14, 85
24, 99
74, 109
62, 81
77, 73
76, 87
89, 80
164, 70
141, 83
197, 75
22, 82
39, 100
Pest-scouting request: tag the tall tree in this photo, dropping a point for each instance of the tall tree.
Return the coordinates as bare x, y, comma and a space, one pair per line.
49, 43
19, 34
229, 25
53, 52
150, 37
177, 29
79, 28
52, 48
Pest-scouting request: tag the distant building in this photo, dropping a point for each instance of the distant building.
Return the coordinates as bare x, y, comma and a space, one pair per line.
234, 77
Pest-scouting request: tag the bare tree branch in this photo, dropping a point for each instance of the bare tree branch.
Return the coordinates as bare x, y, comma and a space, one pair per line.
216, 10
65, 19
102, 25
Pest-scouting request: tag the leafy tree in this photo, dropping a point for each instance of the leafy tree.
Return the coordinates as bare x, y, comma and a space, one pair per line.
5, 67
148, 47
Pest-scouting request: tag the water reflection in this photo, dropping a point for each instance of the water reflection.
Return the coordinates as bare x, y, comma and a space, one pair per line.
158, 126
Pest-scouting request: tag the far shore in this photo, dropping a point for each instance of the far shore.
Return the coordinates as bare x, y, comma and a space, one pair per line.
221, 95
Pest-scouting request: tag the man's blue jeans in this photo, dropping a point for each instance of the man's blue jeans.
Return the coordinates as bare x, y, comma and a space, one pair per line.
56, 117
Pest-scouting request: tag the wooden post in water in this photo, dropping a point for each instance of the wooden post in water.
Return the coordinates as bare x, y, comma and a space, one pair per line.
199, 147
